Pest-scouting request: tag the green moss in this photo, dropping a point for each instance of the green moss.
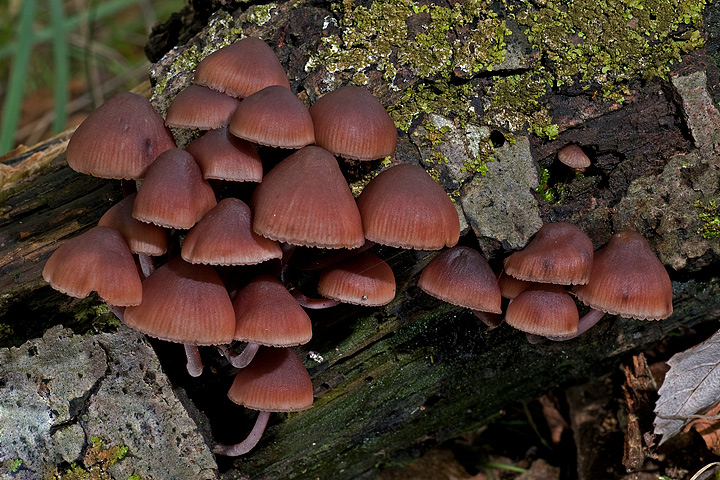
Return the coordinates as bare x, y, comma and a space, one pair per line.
710, 217
441, 97
261, 13
97, 459
551, 194
14, 465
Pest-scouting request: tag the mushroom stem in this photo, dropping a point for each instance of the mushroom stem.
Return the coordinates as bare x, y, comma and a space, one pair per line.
492, 320
584, 324
119, 312
194, 361
313, 303
147, 265
249, 443
243, 359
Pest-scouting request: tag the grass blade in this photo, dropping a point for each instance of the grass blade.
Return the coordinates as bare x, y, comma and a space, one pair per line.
61, 54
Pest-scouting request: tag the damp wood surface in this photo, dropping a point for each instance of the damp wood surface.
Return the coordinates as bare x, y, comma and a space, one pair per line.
392, 382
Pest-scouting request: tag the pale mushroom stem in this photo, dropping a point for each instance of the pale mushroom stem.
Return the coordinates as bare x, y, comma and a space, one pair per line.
492, 320
194, 361
249, 443
147, 264
243, 359
584, 324
313, 303
119, 312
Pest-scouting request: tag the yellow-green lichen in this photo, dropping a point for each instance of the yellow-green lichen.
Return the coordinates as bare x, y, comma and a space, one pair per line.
710, 217
442, 98
14, 465
97, 459
261, 14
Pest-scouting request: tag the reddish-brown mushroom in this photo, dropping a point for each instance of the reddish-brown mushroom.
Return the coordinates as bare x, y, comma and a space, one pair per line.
365, 279
545, 310
223, 156
200, 107
574, 157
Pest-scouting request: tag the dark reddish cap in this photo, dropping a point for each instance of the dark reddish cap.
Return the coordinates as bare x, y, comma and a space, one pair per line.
560, 253
543, 309
98, 260
141, 237
627, 279
275, 381
200, 107
224, 236
365, 279
462, 276
241, 68
351, 122
184, 303
574, 157
404, 207
119, 139
305, 200
266, 313
273, 116
223, 156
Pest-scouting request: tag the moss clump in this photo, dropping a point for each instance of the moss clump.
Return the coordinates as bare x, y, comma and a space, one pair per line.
14, 465
97, 459
441, 97
710, 217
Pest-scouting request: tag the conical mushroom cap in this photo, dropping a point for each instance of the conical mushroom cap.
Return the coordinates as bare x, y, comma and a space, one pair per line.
543, 309
224, 156
120, 139
365, 279
627, 279
241, 68
404, 207
574, 157
560, 253
200, 107
463, 277
305, 200
184, 303
266, 313
141, 237
275, 381
98, 260
224, 236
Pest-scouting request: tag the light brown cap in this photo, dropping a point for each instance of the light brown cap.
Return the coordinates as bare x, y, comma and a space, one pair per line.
365, 279
273, 116
173, 193
141, 237
560, 253
305, 200
184, 303
627, 279
200, 107
574, 157
223, 156
404, 207
98, 260
224, 236
510, 287
275, 381
543, 309
241, 68
351, 122
462, 276
266, 313
119, 139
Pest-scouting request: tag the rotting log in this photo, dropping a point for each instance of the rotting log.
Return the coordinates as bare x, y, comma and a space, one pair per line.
392, 382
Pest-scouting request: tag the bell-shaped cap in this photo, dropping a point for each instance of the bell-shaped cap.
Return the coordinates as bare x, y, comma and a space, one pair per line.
120, 139
463, 277
560, 253
173, 193
275, 381
404, 207
351, 122
98, 260
574, 157
241, 68
627, 279
201, 108
273, 116
266, 313
224, 236
184, 303
510, 287
364, 279
141, 237
305, 200
223, 156
543, 309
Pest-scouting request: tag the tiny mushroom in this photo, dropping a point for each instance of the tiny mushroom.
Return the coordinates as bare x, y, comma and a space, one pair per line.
574, 157
545, 310
365, 279
200, 107
224, 156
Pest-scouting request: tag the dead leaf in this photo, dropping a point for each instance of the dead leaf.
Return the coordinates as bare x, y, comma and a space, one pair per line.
691, 387
708, 428
555, 421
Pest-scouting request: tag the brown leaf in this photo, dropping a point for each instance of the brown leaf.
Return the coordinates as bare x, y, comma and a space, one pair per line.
553, 417
708, 428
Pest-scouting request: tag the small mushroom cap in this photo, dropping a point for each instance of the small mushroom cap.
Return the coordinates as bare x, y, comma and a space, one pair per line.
462, 276
627, 279
119, 139
98, 260
560, 253
273, 116
200, 107
351, 122
275, 381
224, 236
510, 287
365, 279
266, 313
141, 237
543, 309
173, 193
184, 303
224, 156
305, 200
241, 68
574, 157
404, 207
